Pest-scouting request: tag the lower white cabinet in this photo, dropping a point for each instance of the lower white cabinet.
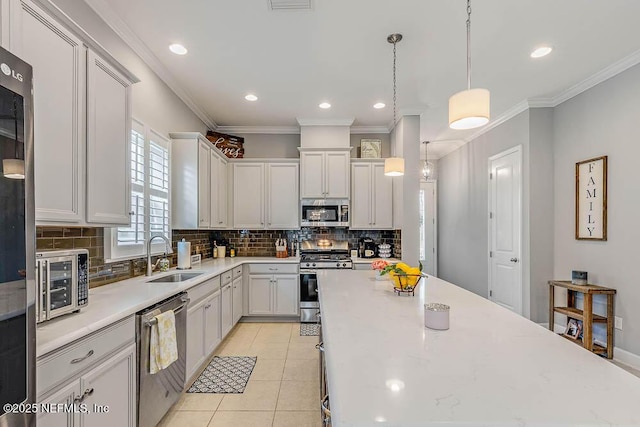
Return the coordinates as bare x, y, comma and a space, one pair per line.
237, 299
108, 391
227, 308
273, 294
204, 331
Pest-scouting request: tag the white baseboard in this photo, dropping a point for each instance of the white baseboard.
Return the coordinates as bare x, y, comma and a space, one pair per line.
619, 355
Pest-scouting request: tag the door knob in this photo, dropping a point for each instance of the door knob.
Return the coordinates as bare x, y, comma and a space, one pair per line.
514, 259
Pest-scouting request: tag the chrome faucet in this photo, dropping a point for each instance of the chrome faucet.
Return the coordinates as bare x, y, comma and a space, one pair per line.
168, 250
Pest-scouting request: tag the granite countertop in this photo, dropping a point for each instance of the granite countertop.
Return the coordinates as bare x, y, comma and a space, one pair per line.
110, 303
491, 368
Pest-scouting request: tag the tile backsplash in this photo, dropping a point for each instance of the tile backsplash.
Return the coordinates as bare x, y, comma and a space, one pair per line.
246, 242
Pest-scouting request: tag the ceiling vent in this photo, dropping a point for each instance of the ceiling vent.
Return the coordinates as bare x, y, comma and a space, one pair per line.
289, 4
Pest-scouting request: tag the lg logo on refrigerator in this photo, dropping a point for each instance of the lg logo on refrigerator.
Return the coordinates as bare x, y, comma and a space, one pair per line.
9, 72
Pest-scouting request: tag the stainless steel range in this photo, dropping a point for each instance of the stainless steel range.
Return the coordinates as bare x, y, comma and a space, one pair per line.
315, 255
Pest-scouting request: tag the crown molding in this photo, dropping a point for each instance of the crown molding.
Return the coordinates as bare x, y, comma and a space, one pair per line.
325, 122
274, 130
509, 114
369, 129
111, 18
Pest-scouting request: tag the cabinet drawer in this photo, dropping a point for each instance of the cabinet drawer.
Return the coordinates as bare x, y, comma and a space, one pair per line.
273, 268
65, 363
237, 272
203, 290
227, 277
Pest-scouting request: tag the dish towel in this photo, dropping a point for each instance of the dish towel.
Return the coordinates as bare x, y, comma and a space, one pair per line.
163, 346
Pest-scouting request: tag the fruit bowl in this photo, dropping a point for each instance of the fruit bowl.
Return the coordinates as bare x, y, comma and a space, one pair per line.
405, 279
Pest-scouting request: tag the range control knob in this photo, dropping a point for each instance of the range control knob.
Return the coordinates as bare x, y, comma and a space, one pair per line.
338, 265
344, 264
313, 265
306, 265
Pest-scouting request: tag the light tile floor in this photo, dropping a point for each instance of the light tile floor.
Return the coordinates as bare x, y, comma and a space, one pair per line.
283, 390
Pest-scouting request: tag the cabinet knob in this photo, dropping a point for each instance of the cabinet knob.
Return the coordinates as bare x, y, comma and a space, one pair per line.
514, 259
207, 306
132, 213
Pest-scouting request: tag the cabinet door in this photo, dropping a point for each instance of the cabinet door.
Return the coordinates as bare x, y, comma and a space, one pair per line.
204, 185
260, 294
248, 195
382, 198
58, 61
283, 208
237, 299
227, 309
361, 196
286, 294
337, 174
108, 152
64, 396
112, 386
223, 193
195, 337
312, 175
212, 327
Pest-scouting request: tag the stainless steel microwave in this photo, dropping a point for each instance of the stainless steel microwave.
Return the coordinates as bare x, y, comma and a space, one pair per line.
63, 282
324, 213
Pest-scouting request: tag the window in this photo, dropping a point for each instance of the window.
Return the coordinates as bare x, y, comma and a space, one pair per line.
150, 202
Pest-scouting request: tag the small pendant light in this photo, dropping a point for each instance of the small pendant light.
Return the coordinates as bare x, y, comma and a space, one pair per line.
469, 108
427, 167
394, 166
14, 168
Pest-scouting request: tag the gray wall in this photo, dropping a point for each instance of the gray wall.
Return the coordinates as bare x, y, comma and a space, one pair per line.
463, 204
385, 143
154, 103
265, 146
602, 121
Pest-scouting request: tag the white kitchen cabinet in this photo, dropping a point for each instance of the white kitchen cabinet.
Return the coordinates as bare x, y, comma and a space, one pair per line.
64, 396
58, 60
248, 195
237, 299
274, 294
212, 327
108, 135
265, 195
198, 183
227, 309
218, 191
324, 174
195, 338
371, 196
112, 386
286, 300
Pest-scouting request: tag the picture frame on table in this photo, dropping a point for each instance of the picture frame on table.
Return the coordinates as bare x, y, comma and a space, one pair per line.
574, 329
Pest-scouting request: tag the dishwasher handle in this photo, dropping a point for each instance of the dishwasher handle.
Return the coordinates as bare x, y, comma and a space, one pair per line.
185, 302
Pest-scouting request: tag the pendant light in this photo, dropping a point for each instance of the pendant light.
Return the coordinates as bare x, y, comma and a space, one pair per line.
14, 168
469, 108
394, 166
427, 167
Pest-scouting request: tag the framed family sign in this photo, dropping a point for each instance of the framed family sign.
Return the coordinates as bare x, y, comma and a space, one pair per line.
591, 199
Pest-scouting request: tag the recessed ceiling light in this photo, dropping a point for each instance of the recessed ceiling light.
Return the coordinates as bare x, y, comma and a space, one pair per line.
178, 49
251, 97
379, 105
325, 105
541, 51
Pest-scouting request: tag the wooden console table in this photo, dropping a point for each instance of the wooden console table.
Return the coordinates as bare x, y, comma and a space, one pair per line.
586, 316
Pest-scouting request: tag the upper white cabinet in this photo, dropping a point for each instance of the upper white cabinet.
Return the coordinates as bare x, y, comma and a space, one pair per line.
324, 174
82, 117
58, 61
108, 134
265, 195
199, 183
371, 196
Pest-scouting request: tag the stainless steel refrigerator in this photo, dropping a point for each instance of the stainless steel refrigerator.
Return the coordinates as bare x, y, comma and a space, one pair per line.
17, 243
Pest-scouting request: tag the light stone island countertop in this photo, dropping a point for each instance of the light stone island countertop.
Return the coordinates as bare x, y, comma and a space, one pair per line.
110, 303
491, 368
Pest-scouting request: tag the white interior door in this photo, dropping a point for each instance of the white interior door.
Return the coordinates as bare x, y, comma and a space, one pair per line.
505, 233
428, 228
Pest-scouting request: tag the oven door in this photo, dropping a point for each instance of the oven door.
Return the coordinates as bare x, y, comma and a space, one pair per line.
309, 304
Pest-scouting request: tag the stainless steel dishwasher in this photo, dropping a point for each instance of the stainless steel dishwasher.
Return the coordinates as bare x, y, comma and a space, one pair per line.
158, 392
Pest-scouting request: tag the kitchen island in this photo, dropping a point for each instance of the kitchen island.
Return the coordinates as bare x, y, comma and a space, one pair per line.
491, 368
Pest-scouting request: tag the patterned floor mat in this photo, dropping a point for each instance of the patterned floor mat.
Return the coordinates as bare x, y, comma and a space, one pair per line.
309, 329
228, 374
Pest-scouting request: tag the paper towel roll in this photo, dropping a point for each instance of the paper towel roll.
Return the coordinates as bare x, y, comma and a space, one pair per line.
184, 255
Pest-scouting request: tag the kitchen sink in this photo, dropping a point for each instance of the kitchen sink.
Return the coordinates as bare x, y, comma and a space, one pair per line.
176, 277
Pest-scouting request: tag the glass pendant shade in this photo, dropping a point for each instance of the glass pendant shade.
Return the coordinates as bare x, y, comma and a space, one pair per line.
394, 166
13, 168
469, 109
427, 170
